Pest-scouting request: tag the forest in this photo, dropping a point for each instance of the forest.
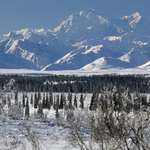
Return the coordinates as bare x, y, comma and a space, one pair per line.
77, 84
103, 112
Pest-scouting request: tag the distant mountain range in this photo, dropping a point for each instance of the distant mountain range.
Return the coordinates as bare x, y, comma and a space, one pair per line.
86, 40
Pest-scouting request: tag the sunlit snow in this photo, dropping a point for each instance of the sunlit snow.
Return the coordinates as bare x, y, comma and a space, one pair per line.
113, 38
94, 49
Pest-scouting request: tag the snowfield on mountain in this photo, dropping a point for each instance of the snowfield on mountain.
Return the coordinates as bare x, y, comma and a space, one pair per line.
84, 40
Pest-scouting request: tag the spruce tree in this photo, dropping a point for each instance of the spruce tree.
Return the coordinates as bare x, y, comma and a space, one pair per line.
57, 106
31, 99
94, 99
23, 100
39, 96
81, 101
70, 100
35, 101
47, 102
40, 109
9, 101
75, 101
44, 101
50, 99
20, 110
27, 109
54, 105
61, 101
16, 98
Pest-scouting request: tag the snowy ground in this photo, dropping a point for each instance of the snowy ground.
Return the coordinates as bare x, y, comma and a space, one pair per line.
49, 134
78, 72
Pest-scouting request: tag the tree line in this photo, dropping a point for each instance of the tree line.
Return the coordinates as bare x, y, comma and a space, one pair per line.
76, 84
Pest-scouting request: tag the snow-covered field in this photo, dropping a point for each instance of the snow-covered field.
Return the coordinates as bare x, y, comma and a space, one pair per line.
49, 135
77, 72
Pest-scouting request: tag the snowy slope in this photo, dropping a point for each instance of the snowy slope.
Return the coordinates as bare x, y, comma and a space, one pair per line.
86, 38
146, 65
134, 57
28, 48
105, 63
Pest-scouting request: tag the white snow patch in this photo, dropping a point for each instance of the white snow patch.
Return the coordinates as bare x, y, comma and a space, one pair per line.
102, 20
140, 43
94, 49
146, 65
27, 55
81, 13
13, 47
46, 67
127, 56
89, 28
133, 19
66, 58
81, 43
113, 38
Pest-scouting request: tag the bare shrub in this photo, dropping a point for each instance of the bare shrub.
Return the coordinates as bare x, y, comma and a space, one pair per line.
111, 127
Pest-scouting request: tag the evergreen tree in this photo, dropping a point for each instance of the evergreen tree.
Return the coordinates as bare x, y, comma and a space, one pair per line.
54, 105
75, 101
47, 102
50, 99
57, 106
23, 100
118, 103
31, 100
81, 101
40, 109
27, 109
20, 110
65, 105
44, 101
39, 96
70, 100
144, 100
94, 99
9, 101
61, 101
35, 101
16, 98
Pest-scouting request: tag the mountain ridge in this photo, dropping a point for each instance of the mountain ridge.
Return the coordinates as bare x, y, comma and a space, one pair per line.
85, 39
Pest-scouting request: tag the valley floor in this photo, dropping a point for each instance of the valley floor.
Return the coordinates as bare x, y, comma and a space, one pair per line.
77, 72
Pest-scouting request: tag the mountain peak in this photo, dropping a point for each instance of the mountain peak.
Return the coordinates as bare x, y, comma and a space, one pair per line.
86, 12
82, 20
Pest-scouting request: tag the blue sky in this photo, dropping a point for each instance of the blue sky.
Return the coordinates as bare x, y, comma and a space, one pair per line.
19, 14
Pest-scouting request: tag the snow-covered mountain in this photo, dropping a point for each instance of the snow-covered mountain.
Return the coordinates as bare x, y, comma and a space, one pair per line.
86, 40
